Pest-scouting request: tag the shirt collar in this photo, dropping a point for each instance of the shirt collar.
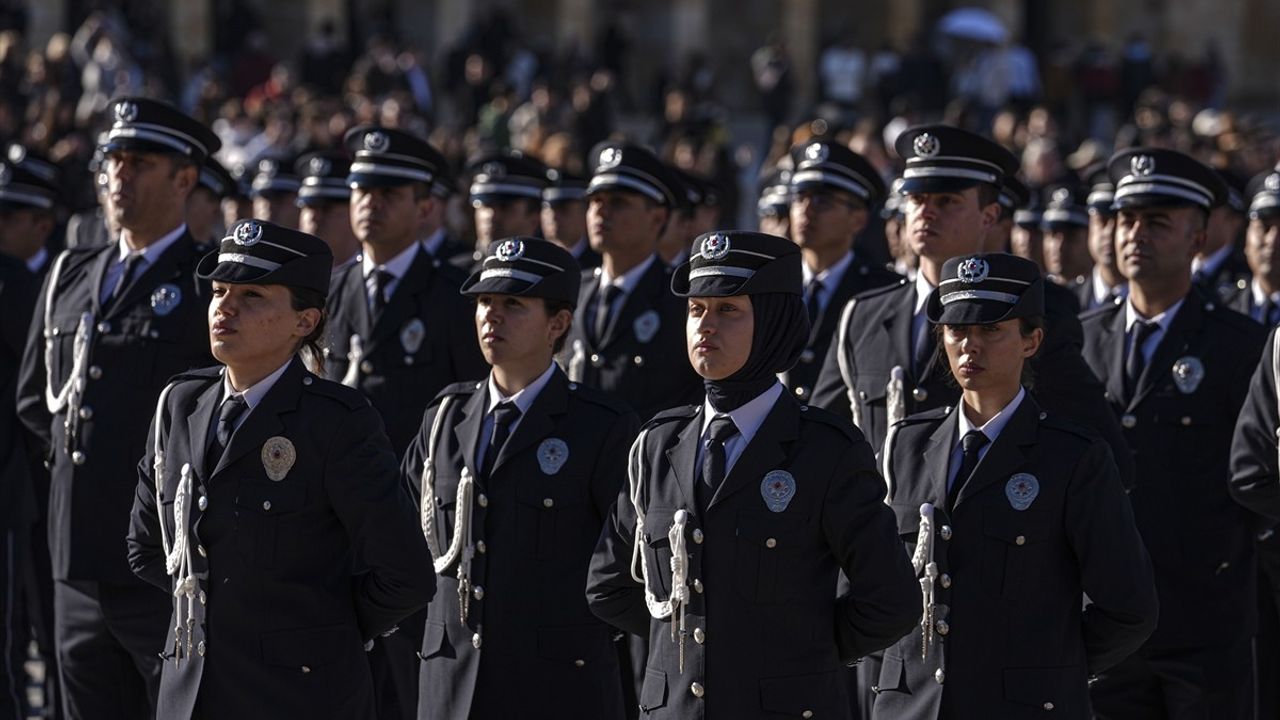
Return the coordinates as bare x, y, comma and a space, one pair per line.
1164, 319
749, 417
993, 427
1210, 264
153, 251
254, 393
397, 266
433, 242
1260, 297
346, 264
923, 289
630, 278
830, 277
525, 396
35, 262
1103, 292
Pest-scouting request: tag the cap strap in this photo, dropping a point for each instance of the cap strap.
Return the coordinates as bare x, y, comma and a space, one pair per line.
721, 271
840, 181
1007, 298
627, 182
249, 260
506, 272
370, 168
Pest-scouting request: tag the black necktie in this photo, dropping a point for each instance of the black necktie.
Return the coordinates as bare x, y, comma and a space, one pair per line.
504, 415
1134, 364
381, 279
131, 263
923, 349
971, 445
713, 457
811, 300
604, 309
230, 412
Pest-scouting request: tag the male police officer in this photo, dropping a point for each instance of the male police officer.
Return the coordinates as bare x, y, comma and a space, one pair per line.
773, 204
324, 199
1105, 284
29, 201
275, 192
1260, 298
112, 324
506, 194
564, 216
1221, 269
626, 335
1176, 368
833, 190
1065, 225
204, 204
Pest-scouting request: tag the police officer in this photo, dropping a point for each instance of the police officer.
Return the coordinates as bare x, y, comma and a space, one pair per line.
397, 323
1105, 284
111, 324
1176, 368
1013, 195
204, 205
741, 512
263, 489
1026, 239
238, 203
1065, 224
680, 232
536, 462
773, 204
564, 217
275, 192
1011, 515
506, 195
1221, 269
30, 198
833, 190
324, 202
1260, 298
437, 238
626, 331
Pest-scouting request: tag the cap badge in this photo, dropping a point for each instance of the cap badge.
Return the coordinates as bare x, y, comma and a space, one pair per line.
553, 175
610, 158
1187, 374
1272, 183
493, 170
278, 456
777, 489
165, 298
1022, 490
1061, 195
319, 166
646, 326
376, 141
412, 335
126, 112
17, 154
973, 270
509, 251
268, 167
926, 145
817, 152
552, 455
715, 247
1142, 165
247, 233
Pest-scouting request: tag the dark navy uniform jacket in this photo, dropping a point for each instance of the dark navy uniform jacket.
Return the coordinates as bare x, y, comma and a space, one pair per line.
641, 359
282, 616
156, 329
1255, 474
424, 340
1010, 639
766, 632
18, 288
1179, 423
529, 648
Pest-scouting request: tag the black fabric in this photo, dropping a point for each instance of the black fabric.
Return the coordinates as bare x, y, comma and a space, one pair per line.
1135, 361
971, 446
381, 279
603, 309
504, 415
228, 415
923, 346
781, 331
811, 303
714, 458
131, 263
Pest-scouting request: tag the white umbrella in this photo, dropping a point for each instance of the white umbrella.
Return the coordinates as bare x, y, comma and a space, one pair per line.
974, 24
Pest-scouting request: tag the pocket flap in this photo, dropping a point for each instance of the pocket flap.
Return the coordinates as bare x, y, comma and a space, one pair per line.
908, 515
435, 639
657, 523
772, 530
797, 694
1014, 527
309, 646
271, 498
1039, 686
575, 642
653, 694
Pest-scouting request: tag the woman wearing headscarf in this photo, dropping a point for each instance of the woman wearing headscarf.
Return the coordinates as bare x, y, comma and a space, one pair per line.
741, 513
269, 505
1013, 516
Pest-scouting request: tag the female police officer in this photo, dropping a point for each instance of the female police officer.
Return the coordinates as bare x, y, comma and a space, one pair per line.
263, 488
516, 475
725, 549
1014, 514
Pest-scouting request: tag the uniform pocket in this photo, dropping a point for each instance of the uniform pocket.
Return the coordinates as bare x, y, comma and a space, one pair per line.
435, 641
768, 546
1010, 539
801, 695
657, 550
653, 694
260, 508
1048, 688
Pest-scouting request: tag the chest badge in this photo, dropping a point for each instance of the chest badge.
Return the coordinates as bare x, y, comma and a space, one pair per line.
165, 298
278, 456
412, 335
1022, 490
552, 455
646, 326
1187, 374
777, 489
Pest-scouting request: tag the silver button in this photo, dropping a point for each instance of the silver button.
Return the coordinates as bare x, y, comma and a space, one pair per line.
596, 361
799, 392
1129, 421
104, 328
306, 669
78, 458
920, 394
95, 372
944, 532
478, 592
697, 535
481, 547
1047, 706
200, 549
939, 676
771, 543
1186, 420
943, 627
699, 635
697, 690
475, 641
639, 361
203, 503
307, 380
86, 413
573, 386
945, 580
204, 599
408, 359
200, 648
483, 500
548, 502
806, 714
366, 367
1020, 540
579, 663
266, 504
806, 356
154, 334
697, 586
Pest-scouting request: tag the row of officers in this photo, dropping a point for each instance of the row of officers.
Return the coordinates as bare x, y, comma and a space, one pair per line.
283, 481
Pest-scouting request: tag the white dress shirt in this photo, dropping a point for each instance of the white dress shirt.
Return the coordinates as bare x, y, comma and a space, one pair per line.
150, 254
830, 279
523, 400
397, 266
253, 394
991, 428
747, 419
1163, 321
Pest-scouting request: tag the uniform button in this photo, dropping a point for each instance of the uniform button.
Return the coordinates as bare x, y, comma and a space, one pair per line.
579, 663
573, 386
86, 413
266, 504
771, 543
104, 328
699, 635
1020, 540
697, 690
200, 549
481, 547
697, 586
595, 360
639, 361
806, 714
306, 669
548, 502
939, 676
307, 381
203, 503
154, 334
475, 641
943, 627
920, 394
408, 359
200, 648
95, 372
1129, 421
697, 536
806, 357
366, 367
799, 392
944, 532
483, 500
78, 458
804, 408
1047, 706
1186, 420
478, 592
945, 580
203, 598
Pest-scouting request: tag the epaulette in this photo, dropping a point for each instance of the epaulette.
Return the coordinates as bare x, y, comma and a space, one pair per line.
676, 413
882, 290
1235, 320
596, 396
1066, 425
456, 389
350, 397
1099, 311
924, 416
826, 417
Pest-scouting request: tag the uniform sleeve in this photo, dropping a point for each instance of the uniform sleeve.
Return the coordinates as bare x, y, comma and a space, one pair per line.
1255, 476
412, 464
609, 477
364, 488
468, 361
882, 601
31, 377
613, 594
830, 392
145, 548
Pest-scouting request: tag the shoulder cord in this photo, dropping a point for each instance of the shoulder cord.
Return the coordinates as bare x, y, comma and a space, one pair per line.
457, 551
577, 361
177, 561
923, 562
1275, 368
67, 398
355, 354
842, 357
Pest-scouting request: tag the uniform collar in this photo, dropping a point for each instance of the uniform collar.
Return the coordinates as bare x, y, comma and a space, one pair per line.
830, 277
1102, 292
631, 278
1164, 319
923, 290
747, 418
1259, 297
153, 251
993, 427
433, 242
524, 397
1211, 264
397, 266
253, 394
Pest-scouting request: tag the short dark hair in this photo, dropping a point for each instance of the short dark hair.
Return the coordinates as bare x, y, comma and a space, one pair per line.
987, 194
553, 308
421, 191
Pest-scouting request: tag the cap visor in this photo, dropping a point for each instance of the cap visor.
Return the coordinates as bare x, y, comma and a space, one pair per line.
376, 180
935, 185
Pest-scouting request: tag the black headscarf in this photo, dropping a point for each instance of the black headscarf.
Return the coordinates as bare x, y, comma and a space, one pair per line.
780, 334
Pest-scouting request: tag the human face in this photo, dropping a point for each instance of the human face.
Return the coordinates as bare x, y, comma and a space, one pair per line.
278, 208
989, 357
387, 216
235, 209
504, 217
1158, 243
943, 225
254, 328
1262, 248
1102, 238
826, 220
623, 222
564, 222
779, 225
146, 188
1066, 252
203, 213
517, 332
23, 232
718, 333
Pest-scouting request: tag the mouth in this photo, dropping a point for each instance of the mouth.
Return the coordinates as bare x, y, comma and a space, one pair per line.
221, 329
970, 369
704, 347
490, 338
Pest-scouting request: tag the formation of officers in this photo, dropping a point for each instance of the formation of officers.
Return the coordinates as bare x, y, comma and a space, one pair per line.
615, 461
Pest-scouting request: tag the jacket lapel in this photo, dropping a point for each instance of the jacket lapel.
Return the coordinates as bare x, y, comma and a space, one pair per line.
403, 302
353, 295
1007, 453
639, 300
100, 265
166, 267
764, 452
468, 430
683, 454
537, 423
264, 420
200, 425
1172, 346
898, 325
1111, 347
937, 457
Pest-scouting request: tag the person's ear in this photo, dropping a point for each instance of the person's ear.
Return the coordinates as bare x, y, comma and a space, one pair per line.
1031, 343
308, 321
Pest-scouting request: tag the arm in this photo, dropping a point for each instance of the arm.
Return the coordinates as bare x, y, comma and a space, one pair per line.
31, 377
882, 603
612, 594
609, 477
830, 392
146, 550
1255, 477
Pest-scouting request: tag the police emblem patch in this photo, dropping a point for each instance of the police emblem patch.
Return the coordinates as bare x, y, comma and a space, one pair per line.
973, 270
165, 298
278, 456
1022, 490
1272, 183
1142, 165
816, 153
646, 326
319, 166
509, 250
1187, 374
552, 455
376, 141
777, 489
492, 171
126, 112
1061, 195
412, 335
247, 233
715, 247
268, 167
926, 145
610, 158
